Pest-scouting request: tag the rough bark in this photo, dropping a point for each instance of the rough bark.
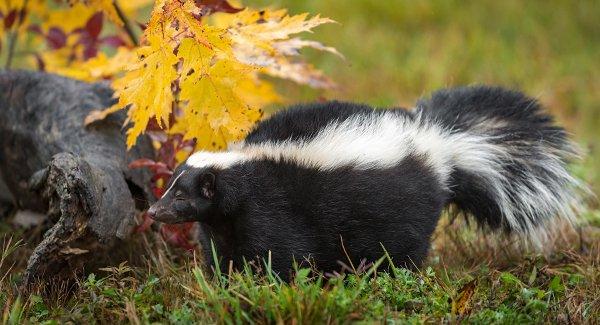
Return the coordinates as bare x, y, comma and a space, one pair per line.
77, 175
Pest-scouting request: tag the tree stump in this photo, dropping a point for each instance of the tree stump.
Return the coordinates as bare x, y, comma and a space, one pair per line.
77, 176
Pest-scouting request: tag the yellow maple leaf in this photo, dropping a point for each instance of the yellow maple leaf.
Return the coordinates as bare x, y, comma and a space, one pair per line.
246, 17
217, 97
220, 98
96, 68
280, 26
147, 87
255, 92
103, 67
299, 72
292, 47
262, 38
195, 57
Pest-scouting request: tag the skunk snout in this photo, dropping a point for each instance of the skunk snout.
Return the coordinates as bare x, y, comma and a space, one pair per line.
152, 211
162, 213
172, 211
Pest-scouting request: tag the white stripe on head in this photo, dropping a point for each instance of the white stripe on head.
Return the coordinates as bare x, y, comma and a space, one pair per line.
173, 184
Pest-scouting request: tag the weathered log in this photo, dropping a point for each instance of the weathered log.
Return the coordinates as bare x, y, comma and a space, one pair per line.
76, 175
6, 199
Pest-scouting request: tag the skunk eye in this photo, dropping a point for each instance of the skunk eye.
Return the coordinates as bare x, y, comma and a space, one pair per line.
178, 194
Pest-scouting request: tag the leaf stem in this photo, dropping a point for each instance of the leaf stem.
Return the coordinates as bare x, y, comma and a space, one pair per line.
12, 42
126, 23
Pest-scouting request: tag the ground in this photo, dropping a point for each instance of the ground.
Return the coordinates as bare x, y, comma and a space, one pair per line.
396, 51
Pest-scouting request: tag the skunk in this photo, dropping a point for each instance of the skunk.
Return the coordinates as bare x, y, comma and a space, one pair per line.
333, 181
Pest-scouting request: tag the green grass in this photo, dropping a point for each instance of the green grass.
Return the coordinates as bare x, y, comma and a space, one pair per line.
396, 51
162, 285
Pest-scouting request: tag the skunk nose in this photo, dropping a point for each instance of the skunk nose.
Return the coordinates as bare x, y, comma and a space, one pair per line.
151, 212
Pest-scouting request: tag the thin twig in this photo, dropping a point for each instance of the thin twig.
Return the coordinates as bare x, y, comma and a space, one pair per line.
347, 255
12, 41
126, 23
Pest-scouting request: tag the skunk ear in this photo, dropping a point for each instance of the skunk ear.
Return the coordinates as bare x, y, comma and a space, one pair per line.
207, 185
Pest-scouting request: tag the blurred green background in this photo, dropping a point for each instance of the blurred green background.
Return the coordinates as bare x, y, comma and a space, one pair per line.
397, 51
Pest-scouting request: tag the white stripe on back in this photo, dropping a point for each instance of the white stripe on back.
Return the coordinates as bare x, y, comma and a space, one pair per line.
374, 140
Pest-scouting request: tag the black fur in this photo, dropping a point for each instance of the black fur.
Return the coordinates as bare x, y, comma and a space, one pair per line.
297, 212
302, 122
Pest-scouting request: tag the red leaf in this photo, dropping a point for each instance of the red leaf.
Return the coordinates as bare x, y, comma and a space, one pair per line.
88, 35
163, 172
208, 7
94, 25
142, 162
158, 192
90, 51
10, 19
159, 171
35, 28
114, 41
167, 154
56, 38
178, 235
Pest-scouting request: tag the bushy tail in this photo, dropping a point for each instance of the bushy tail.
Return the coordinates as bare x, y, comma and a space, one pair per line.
509, 161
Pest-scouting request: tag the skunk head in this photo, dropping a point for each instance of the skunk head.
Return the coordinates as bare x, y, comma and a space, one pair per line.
189, 196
